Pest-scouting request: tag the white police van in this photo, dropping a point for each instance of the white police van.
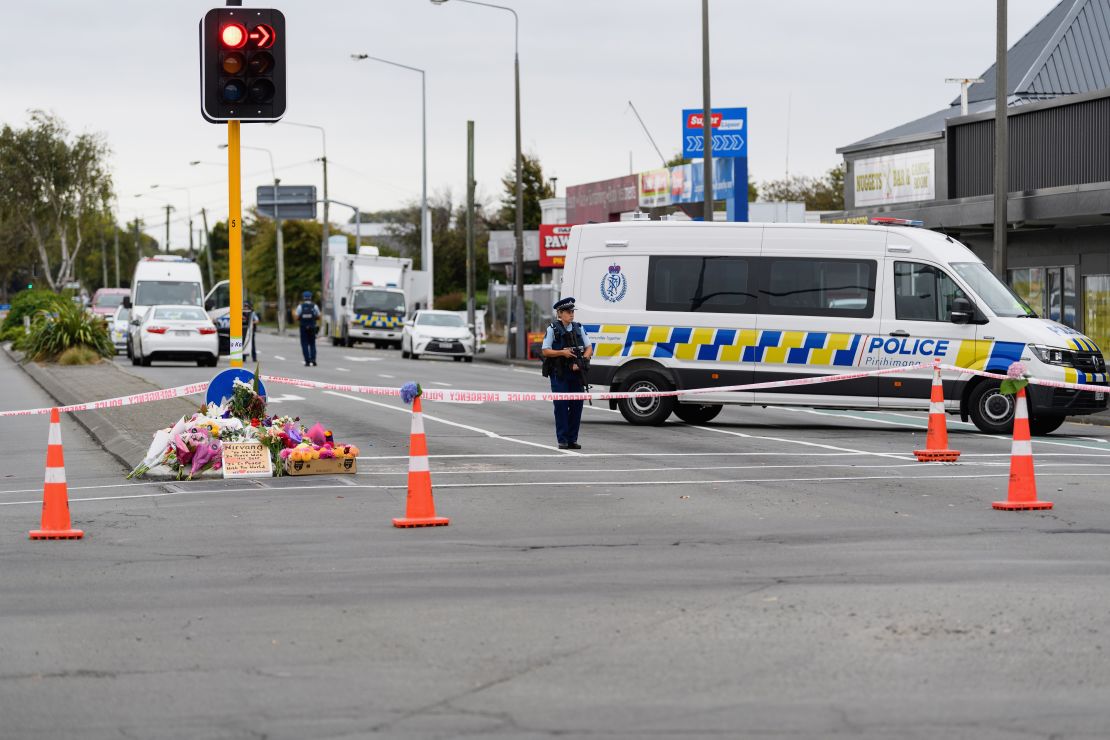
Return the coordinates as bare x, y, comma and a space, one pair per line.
677, 305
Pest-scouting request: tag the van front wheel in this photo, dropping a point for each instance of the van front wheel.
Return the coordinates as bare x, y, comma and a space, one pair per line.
651, 411
990, 410
695, 414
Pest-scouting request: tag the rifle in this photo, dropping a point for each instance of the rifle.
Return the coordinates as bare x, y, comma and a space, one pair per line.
583, 363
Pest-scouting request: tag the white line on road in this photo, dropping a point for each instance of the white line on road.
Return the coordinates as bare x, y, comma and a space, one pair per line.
312, 487
486, 432
284, 397
342, 370
445, 385
279, 357
892, 455
383, 375
362, 359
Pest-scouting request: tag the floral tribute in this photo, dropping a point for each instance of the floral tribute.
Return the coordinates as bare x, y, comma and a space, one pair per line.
195, 443
1016, 379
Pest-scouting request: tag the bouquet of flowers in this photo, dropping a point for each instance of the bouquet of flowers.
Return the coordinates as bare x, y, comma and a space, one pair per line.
192, 445
245, 401
1016, 379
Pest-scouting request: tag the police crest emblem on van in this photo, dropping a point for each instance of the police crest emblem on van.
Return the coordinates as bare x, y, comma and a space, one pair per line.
613, 284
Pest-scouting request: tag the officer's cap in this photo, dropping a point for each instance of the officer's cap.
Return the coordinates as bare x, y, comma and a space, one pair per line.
564, 304
306, 294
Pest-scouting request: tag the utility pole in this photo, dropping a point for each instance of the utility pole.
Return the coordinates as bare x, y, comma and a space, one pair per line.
192, 254
1001, 147
115, 231
104, 261
168, 209
208, 248
324, 243
707, 112
280, 262
138, 251
470, 275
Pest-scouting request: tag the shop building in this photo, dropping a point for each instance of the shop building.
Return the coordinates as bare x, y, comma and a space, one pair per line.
940, 168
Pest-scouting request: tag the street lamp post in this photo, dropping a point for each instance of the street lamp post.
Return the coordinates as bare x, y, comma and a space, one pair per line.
280, 239
189, 205
427, 259
515, 348
324, 241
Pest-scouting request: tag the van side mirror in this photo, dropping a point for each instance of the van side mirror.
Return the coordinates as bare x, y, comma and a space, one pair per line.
127, 302
343, 301
962, 311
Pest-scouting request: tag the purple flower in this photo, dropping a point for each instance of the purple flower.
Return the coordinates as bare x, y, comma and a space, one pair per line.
293, 433
410, 391
1016, 371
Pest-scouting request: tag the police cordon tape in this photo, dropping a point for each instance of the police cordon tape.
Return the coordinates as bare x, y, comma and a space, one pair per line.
474, 396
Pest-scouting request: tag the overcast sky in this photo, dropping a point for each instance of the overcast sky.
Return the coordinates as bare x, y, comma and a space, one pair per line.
845, 70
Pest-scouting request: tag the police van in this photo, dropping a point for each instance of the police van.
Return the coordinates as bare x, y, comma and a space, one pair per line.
681, 305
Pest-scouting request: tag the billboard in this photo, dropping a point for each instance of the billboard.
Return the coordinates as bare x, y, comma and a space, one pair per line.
894, 178
730, 132
553, 244
686, 184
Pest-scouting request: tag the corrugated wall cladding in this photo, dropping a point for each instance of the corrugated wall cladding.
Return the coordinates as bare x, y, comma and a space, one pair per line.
1080, 62
1051, 147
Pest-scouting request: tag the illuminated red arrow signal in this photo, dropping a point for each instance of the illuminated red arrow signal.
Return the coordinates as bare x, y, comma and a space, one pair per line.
262, 36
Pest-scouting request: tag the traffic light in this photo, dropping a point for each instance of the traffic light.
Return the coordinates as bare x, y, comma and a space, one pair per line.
242, 64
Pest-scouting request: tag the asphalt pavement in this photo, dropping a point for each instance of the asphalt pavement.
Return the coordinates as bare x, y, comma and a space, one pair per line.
779, 572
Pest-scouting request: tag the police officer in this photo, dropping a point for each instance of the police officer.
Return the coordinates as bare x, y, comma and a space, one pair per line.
307, 314
562, 343
250, 325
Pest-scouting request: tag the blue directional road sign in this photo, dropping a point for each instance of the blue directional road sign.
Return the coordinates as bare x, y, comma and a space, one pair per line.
730, 132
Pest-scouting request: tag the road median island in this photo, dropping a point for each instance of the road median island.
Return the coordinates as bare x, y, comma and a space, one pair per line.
122, 430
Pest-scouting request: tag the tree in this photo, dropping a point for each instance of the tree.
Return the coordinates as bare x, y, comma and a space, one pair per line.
301, 240
55, 187
536, 188
448, 241
819, 194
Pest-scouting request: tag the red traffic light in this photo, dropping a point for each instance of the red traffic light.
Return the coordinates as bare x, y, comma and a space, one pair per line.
233, 36
262, 36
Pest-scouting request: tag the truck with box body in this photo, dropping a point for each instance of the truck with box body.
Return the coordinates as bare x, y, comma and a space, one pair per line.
371, 295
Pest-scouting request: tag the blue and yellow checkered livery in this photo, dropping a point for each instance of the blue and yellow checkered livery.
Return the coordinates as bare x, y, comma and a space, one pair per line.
798, 348
378, 321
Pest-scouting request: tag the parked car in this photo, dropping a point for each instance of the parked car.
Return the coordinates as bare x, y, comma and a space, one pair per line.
117, 326
441, 333
174, 333
106, 300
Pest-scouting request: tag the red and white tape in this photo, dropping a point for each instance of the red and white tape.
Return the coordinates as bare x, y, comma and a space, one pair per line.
478, 396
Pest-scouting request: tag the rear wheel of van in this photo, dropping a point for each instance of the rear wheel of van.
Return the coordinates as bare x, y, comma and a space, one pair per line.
651, 411
990, 410
695, 414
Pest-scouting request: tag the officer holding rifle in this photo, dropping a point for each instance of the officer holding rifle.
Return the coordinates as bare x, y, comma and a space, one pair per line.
566, 352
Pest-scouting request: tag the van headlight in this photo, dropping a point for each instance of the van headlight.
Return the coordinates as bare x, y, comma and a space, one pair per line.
1053, 355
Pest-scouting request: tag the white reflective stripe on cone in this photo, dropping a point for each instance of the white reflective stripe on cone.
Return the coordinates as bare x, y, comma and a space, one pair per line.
1022, 448
55, 436
1021, 411
418, 464
55, 475
417, 424
936, 407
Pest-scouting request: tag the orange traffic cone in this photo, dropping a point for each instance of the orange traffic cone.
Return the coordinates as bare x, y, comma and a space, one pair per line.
421, 508
55, 499
1023, 484
936, 440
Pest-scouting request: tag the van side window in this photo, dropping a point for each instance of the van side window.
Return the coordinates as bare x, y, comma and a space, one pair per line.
222, 297
818, 287
923, 292
703, 284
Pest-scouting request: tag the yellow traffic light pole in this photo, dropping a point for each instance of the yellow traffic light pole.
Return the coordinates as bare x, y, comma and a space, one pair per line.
235, 243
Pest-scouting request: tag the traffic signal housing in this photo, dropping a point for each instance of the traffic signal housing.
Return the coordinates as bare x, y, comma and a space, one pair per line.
242, 65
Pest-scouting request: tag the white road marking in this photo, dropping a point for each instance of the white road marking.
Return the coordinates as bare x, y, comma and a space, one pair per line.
342, 370
488, 433
445, 385
892, 455
600, 408
314, 486
279, 357
383, 375
285, 397
362, 359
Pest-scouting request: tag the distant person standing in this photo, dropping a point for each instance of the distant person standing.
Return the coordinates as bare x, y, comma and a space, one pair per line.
308, 313
566, 351
250, 320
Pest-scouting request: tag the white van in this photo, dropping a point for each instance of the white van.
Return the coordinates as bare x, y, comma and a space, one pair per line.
162, 280
675, 305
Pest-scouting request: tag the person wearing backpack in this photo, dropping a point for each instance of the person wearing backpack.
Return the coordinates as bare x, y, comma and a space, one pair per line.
566, 350
307, 314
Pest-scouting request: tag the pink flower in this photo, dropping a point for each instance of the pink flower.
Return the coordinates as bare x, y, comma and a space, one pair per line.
1016, 371
316, 434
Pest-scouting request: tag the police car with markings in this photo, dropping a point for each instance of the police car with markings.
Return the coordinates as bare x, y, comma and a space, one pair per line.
681, 305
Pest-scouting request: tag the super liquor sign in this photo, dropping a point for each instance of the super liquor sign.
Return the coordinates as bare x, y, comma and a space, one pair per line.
553, 244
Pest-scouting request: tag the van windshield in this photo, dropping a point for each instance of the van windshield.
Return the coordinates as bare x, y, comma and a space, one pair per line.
108, 300
366, 301
167, 292
995, 293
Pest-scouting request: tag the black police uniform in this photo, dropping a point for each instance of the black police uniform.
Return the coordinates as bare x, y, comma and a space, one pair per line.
568, 414
307, 314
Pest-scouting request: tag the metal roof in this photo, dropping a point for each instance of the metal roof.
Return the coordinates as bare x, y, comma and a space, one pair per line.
1066, 53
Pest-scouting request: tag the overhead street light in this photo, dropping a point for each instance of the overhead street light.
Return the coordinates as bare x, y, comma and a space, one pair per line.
515, 348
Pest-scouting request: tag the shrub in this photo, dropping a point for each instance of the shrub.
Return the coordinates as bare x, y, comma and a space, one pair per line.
66, 325
81, 355
451, 302
28, 303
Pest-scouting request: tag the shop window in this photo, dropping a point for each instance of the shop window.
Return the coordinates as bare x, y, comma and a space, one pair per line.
1050, 291
1096, 301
